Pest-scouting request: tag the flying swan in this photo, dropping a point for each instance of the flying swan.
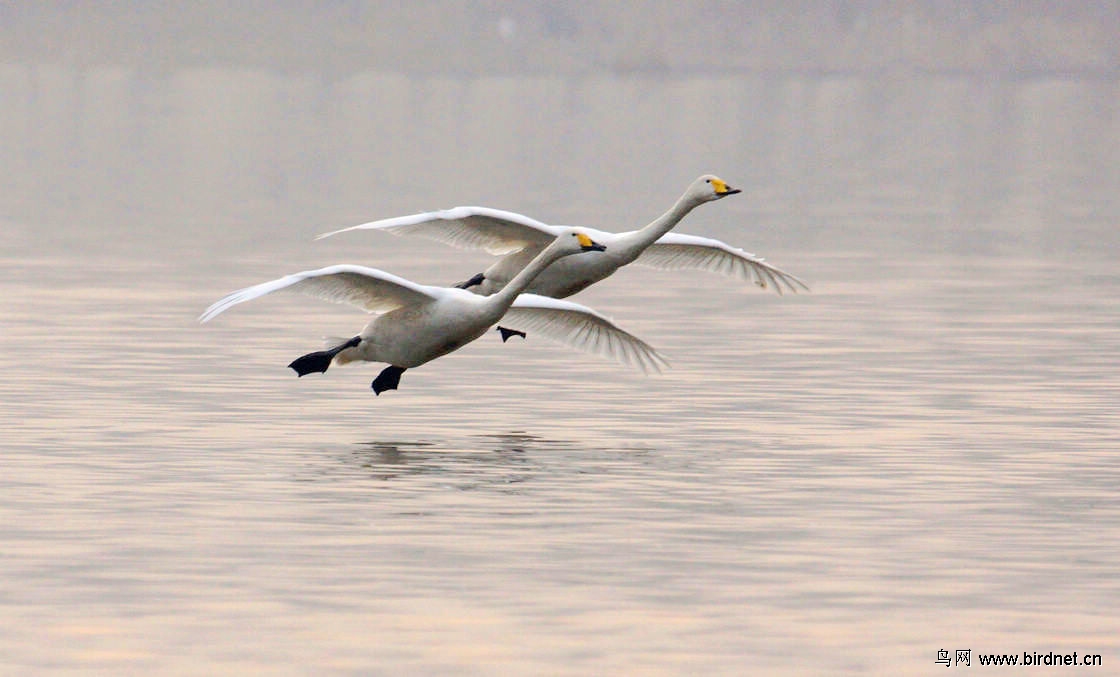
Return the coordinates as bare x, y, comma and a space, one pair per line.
418, 323
519, 238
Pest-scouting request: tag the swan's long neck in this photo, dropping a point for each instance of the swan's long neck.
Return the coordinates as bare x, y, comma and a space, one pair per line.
637, 241
506, 295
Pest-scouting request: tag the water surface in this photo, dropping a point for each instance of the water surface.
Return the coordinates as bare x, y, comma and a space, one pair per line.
919, 455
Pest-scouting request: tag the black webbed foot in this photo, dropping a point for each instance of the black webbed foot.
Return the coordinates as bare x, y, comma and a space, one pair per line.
388, 379
320, 360
507, 333
476, 280
312, 362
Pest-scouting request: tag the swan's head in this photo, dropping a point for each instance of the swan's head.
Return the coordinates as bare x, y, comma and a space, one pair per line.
710, 187
574, 241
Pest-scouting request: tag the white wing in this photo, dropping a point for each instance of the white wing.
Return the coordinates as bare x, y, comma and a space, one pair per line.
674, 251
367, 288
581, 328
492, 230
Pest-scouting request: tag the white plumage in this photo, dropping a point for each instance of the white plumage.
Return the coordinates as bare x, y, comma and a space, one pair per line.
518, 238
418, 323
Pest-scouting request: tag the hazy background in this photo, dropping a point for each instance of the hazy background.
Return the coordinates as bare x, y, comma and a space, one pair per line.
340, 37
918, 455
249, 118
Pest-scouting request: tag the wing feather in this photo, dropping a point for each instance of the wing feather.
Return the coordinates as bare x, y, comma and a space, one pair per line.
367, 288
495, 231
582, 328
674, 251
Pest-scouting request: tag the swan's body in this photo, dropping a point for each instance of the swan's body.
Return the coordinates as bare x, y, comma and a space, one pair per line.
519, 239
418, 323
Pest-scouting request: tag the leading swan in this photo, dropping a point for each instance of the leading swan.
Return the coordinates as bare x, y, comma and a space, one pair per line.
519, 238
419, 323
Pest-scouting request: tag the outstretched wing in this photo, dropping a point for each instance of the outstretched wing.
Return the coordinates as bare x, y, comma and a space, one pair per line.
492, 230
674, 251
367, 288
581, 328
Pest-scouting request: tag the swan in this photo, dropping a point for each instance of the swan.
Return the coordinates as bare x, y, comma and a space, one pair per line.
418, 323
519, 238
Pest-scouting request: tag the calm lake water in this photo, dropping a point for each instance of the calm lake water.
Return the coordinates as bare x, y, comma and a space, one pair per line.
921, 454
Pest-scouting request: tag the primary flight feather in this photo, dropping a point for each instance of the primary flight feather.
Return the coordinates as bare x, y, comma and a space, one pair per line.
418, 323
518, 238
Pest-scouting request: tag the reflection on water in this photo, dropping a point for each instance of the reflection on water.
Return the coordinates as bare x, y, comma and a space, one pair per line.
503, 461
921, 454
918, 454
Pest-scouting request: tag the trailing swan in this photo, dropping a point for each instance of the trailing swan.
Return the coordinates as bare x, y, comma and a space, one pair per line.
418, 323
519, 238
